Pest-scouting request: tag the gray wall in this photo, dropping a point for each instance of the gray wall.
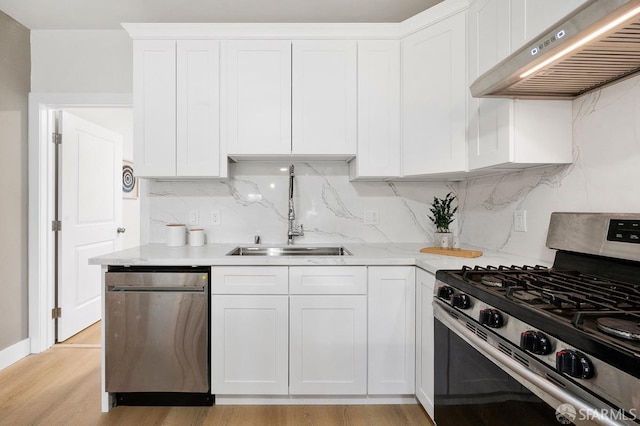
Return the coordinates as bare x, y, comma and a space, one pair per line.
81, 61
15, 71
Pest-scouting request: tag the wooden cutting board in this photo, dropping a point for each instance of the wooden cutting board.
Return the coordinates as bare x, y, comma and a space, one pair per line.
449, 252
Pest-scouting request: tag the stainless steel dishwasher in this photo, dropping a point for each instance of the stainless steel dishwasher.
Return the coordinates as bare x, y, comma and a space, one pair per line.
157, 335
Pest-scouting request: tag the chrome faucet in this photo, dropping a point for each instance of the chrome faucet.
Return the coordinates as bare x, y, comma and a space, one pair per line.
293, 231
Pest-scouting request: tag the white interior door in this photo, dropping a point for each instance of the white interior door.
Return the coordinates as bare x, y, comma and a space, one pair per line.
90, 209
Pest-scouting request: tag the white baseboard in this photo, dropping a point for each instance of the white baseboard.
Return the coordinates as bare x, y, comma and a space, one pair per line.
14, 353
313, 400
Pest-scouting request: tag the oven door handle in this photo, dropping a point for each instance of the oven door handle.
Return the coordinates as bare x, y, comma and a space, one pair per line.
515, 368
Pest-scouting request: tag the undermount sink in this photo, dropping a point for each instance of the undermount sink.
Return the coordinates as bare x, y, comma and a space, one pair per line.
289, 251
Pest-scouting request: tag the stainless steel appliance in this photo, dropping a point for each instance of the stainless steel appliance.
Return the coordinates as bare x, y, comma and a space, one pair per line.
157, 335
593, 46
531, 345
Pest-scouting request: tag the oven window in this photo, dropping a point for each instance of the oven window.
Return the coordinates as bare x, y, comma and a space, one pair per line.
472, 390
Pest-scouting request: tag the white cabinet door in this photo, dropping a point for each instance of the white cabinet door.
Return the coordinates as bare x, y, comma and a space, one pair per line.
435, 93
489, 43
532, 17
198, 112
249, 343
328, 345
378, 109
176, 103
391, 330
425, 284
506, 133
324, 97
154, 107
257, 92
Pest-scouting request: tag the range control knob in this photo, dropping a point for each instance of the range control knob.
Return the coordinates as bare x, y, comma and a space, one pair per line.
491, 318
535, 342
461, 301
445, 292
574, 363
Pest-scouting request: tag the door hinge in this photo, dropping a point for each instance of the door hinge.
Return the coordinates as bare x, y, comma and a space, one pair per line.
56, 138
56, 225
56, 313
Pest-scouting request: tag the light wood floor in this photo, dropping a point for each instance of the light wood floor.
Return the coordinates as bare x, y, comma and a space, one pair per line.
89, 336
62, 387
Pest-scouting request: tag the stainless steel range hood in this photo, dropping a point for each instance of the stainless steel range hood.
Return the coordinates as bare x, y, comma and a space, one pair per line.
597, 44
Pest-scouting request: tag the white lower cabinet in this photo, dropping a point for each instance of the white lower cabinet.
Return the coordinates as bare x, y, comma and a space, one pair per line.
249, 337
249, 330
425, 284
322, 330
391, 324
328, 338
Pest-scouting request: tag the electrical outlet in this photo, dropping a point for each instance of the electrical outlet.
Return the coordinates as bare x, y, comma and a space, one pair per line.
371, 217
520, 220
215, 217
194, 217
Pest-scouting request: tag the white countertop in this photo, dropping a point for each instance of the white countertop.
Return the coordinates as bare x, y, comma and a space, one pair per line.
362, 254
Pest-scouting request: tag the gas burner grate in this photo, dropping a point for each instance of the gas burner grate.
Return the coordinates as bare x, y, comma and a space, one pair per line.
582, 291
502, 276
559, 289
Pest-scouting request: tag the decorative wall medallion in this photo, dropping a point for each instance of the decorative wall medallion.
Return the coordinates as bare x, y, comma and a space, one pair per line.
129, 181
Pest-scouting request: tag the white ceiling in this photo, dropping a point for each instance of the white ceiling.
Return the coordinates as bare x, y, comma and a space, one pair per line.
108, 14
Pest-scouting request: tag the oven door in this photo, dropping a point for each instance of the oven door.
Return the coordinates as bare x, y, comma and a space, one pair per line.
478, 384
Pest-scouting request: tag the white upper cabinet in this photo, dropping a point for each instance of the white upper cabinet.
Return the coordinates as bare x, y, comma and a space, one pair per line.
176, 108
268, 84
531, 17
257, 97
378, 110
324, 97
434, 98
154, 107
198, 114
504, 133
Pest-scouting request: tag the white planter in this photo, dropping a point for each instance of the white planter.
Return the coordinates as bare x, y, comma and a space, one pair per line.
442, 239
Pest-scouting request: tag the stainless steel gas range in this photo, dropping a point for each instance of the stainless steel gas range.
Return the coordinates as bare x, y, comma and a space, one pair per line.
533, 345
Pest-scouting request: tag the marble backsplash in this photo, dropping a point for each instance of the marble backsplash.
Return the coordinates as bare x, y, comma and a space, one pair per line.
254, 201
603, 178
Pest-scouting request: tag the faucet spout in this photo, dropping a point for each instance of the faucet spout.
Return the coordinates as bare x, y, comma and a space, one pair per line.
292, 230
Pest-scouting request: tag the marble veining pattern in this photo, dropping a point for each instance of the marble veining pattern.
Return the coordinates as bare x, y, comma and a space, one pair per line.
253, 201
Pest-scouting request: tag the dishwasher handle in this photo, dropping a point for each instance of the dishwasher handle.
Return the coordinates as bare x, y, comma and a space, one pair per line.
176, 289
157, 281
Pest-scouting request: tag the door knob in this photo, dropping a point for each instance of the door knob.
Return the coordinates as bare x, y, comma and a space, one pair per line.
121, 230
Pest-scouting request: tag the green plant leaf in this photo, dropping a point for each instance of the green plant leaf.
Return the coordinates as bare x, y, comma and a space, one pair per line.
442, 214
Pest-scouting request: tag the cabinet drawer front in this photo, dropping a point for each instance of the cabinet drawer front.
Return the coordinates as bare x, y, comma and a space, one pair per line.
249, 280
328, 279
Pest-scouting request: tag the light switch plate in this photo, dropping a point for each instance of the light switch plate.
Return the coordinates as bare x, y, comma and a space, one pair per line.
194, 217
520, 220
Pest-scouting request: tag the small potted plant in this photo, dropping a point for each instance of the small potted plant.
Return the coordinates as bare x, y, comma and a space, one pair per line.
442, 216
